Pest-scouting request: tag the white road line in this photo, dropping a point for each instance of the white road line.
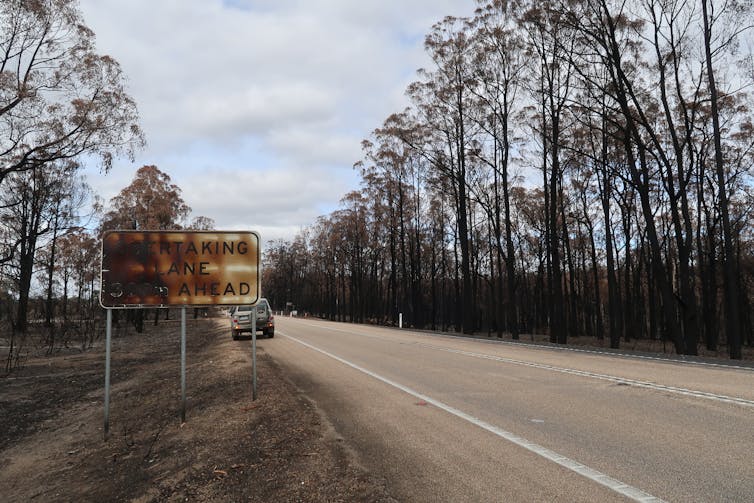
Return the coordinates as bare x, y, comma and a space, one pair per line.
572, 349
556, 348
582, 373
621, 355
605, 480
603, 377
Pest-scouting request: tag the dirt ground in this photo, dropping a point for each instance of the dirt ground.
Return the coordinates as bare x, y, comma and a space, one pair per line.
277, 448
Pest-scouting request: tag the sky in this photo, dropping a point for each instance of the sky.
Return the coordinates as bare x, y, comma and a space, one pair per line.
256, 108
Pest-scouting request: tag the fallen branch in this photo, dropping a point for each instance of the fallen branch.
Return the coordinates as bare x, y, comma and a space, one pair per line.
154, 440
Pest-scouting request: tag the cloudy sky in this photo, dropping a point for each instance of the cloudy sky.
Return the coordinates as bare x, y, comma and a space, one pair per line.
256, 108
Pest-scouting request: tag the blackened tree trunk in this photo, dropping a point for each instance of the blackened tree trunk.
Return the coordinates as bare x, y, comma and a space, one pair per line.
730, 270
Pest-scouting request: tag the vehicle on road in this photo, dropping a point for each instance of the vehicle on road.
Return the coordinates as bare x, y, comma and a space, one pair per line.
240, 319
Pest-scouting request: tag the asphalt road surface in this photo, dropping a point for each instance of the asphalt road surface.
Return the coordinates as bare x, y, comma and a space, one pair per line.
456, 419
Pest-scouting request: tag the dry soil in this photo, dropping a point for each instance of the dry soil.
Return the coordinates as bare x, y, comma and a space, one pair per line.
277, 448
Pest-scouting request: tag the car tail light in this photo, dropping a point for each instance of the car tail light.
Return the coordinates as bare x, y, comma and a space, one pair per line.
235, 321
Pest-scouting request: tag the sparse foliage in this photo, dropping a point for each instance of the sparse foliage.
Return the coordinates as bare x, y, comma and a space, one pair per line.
59, 99
644, 166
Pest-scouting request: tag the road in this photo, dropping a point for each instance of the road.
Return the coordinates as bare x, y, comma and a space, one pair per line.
456, 419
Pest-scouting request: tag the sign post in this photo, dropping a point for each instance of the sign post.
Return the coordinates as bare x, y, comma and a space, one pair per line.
163, 269
254, 354
183, 364
108, 336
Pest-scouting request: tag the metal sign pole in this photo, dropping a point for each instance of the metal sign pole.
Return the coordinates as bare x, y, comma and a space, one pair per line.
254, 354
183, 364
108, 336
129, 278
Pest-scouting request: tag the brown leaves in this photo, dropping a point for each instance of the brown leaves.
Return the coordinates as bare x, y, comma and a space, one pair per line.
58, 98
221, 474
150, 202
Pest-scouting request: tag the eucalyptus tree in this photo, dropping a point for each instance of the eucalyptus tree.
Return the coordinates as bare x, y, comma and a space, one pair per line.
657, 81
150, 202
551, 43
499, 64
38, 205
390, 163
722, 26
606, 36
59, 99
67, 196
442, 101
596, 153
202, 223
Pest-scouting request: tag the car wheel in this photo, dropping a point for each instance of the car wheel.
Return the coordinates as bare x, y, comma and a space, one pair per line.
271, 334
234, 333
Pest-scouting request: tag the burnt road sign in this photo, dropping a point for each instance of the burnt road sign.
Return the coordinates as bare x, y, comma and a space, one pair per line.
179, 268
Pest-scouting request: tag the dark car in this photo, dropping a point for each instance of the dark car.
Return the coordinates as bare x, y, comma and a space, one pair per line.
240, 319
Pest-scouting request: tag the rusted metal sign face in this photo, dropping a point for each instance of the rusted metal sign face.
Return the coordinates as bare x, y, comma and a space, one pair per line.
179, 268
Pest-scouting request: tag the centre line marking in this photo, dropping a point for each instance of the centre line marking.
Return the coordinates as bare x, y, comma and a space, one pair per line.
603, 377
564, 370
631, 492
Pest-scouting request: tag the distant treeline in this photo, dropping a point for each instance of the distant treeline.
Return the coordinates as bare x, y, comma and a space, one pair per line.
575, 168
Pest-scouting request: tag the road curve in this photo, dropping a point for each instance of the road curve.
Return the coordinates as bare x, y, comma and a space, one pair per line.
455, 419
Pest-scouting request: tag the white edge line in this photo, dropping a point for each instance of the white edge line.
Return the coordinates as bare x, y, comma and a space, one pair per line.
594, 475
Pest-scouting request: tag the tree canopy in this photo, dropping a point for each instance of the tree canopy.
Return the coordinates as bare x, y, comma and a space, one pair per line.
59, 99
150, 202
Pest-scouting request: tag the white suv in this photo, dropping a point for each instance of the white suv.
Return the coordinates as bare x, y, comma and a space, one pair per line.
240, 319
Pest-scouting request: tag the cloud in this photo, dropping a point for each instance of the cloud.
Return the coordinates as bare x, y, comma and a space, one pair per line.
263, 200
316, 149
257, 110
268, 90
